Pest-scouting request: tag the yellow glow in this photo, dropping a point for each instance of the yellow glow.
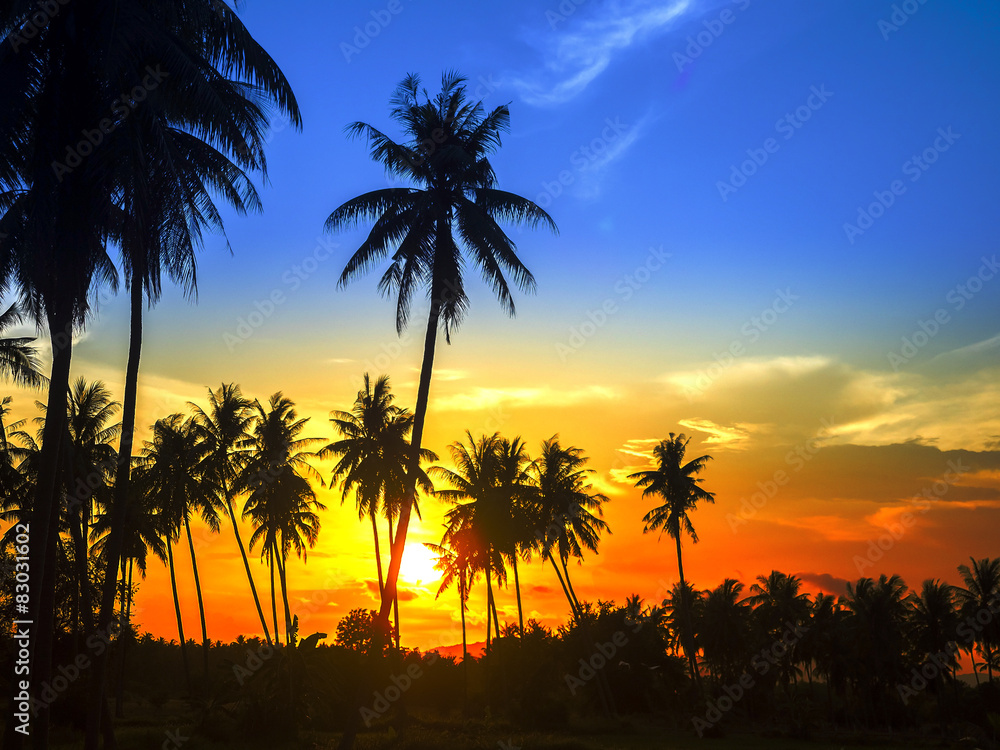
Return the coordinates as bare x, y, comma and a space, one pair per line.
418, 565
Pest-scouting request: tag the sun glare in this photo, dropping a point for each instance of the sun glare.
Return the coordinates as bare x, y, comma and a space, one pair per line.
418, 564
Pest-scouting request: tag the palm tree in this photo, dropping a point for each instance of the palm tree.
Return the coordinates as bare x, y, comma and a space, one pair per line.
474, 521
172, 464
982, 593
451, 211
880, 612
18, 358
91, 460
678, 486
516, 499
373, 456
725, 630
779, 603
142, 535
224, 432
567, 513
280, 500
456, 559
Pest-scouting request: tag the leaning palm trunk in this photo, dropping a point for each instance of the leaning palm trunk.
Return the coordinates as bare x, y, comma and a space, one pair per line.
378, 557
201, 601
119, 512
419, 412
395, 599
517, 589
246, 566
177, 612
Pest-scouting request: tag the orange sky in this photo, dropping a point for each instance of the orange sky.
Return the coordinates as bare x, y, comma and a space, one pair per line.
831, 456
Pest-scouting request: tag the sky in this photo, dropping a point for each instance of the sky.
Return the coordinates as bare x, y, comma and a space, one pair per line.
774, 237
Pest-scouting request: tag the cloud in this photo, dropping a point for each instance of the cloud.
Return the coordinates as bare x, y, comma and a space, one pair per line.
720, 436
480, 399
825, 582
586, 46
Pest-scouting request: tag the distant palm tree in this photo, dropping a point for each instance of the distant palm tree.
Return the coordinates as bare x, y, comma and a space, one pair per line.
457, 562
982, 593
18, 358
280, 501
568, 511
224, 432
171, 465
16, 483
778, 603
452, 211
880, 612
676, 483
475, 518
373, 457
725, 630
516, 499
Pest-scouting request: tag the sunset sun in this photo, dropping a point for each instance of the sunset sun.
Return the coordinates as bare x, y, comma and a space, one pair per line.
418, 565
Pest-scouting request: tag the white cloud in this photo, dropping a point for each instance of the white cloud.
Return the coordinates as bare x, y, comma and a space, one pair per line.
586, 46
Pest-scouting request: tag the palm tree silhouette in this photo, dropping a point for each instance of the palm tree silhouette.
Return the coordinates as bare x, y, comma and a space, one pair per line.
280, 501
982, 593
475, 519
373, 456
18, 358
174, 462
677, 484
452, 211
725, 630
224, 432
568, 511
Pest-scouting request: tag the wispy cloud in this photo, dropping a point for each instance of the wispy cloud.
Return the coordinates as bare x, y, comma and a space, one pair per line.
586, 46
479, 399
721, 436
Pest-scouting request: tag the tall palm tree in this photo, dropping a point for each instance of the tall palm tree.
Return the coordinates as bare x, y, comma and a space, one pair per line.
451, 212
373, 454
678, 485
982, 593
18, 358
568, 512
280, 501
225, 433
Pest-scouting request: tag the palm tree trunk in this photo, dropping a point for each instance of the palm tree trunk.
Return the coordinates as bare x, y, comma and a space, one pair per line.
419, 412
177, 612
395, 599
465, 649
569, 598
284, 595
378, 555
517, 589
569, 585
246, 566
486, 655
120, 696
274, 605
688, 627
44, 522
398, 544
201, 603
119, 508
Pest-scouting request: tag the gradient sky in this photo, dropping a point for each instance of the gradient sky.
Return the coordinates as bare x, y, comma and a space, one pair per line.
744, 311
